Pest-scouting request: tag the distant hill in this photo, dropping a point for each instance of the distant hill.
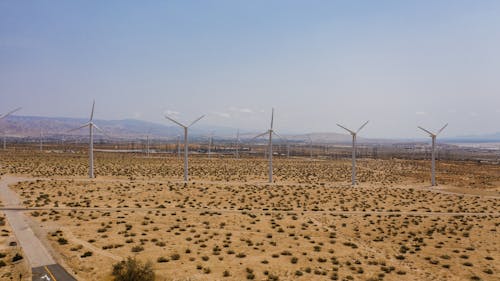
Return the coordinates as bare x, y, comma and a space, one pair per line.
29, 126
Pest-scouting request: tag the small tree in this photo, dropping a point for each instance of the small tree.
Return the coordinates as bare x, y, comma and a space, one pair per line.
133, 270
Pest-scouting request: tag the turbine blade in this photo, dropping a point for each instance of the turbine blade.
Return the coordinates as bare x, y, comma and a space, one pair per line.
261, 135
279, 136
92, 112
431, 134
175, 121
352, 133
272, 118
97, 128
192, 123
9, 113
444, 127
82, 126
101, 130
360, 128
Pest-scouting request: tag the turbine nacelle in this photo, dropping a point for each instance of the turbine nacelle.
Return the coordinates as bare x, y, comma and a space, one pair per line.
431, 134
182, 125
353, 133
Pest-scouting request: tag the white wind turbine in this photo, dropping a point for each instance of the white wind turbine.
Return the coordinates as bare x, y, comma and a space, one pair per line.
147, 143
238, 144
310, 147
210, 142
285, 140
354, 146
91, 126
270, 132
3, 117
185, 142
41, 139
433, 164
287, 145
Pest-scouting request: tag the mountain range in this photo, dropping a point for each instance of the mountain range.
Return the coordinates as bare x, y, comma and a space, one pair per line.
30, 126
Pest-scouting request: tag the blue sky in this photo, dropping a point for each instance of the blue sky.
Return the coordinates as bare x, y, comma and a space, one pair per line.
398, 63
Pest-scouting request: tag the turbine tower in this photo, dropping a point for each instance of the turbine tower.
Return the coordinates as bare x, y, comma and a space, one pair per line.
91, 126
185, 142
270, 132
433, 164
3, 117
354, 146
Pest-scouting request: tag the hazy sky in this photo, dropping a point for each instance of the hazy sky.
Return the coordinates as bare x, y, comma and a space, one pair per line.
398, 63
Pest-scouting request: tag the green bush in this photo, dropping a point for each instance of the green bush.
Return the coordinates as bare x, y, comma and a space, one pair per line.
133, 270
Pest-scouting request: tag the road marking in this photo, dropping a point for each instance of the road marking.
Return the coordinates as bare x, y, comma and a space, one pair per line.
50, 273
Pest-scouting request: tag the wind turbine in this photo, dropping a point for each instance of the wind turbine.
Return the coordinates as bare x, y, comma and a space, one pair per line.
287, 145
310, 147
238, 144
270, 132
185, 142
147, 143
41, 140
210, 142
3, 117
91, 126
354, 146
285, 140
433, 165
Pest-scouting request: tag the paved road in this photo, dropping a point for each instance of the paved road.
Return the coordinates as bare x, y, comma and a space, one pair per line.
33, 248
53, 272
36, 253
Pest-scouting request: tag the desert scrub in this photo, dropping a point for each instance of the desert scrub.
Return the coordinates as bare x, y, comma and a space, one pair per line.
133, 270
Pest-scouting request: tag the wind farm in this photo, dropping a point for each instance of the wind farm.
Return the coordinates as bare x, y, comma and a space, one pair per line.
306, 198
228, 140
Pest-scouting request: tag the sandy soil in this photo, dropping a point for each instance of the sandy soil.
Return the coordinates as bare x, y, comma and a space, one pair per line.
228, 224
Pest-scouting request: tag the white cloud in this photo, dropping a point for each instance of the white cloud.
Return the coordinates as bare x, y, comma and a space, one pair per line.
222, 114
242, 110
421, 113
171, 112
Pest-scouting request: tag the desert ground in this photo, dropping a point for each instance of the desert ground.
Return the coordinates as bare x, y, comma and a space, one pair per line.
228, 223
